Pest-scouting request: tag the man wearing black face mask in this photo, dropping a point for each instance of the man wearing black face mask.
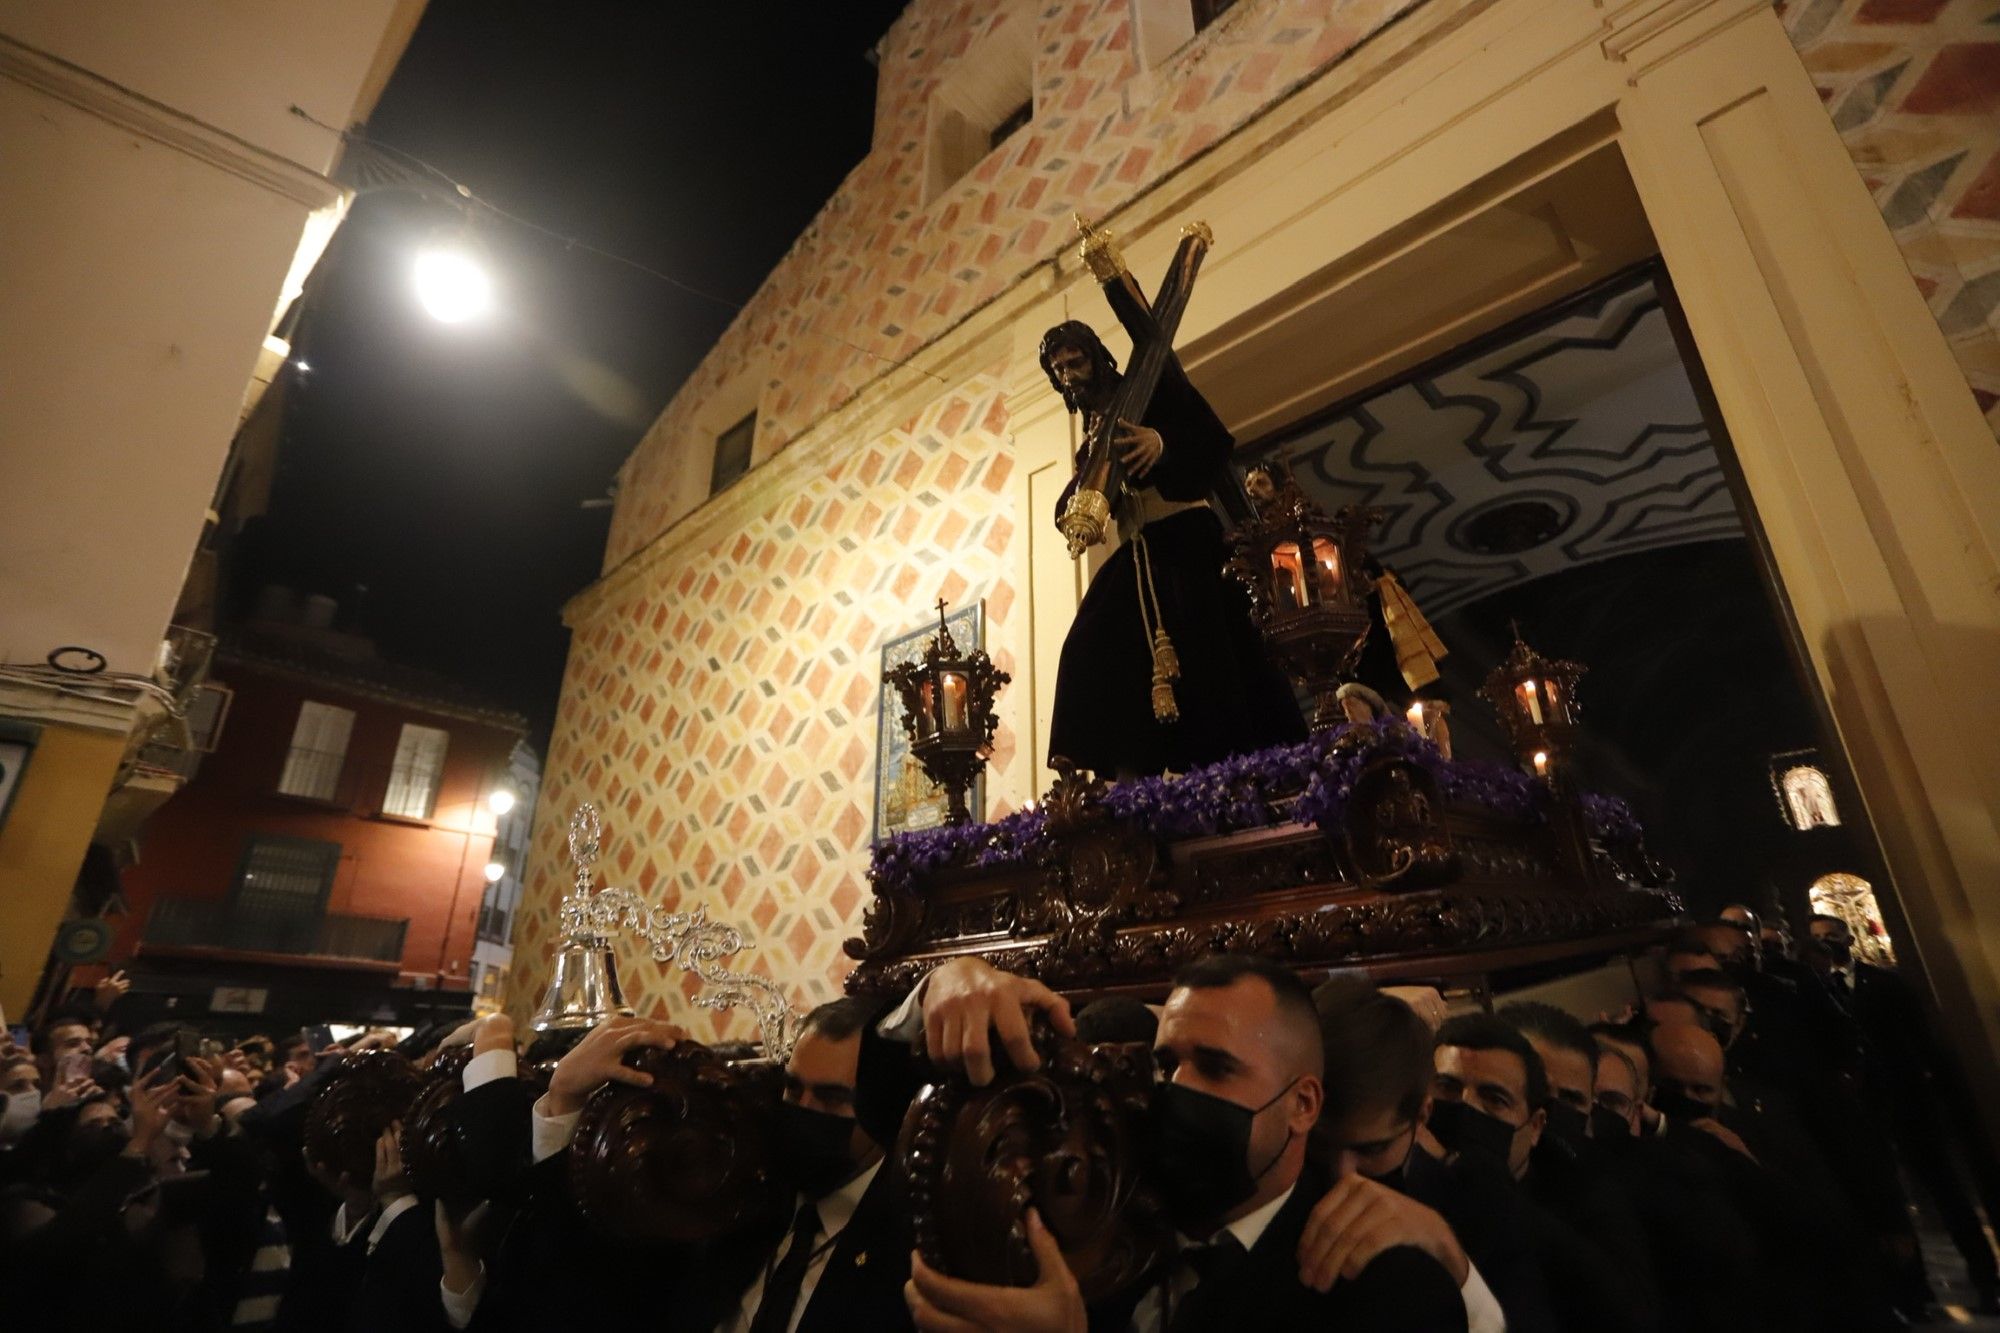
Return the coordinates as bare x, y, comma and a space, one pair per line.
1599, 1265
1773, 1180
1395, 1181
1239, 1045
839, 1258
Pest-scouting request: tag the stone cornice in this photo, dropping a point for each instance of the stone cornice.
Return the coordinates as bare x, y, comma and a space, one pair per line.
87, 711
138, 114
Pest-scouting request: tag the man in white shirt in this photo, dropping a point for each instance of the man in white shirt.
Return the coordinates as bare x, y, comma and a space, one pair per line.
1239, 1047
839, 1256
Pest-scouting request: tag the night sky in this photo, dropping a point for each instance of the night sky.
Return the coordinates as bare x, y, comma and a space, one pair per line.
441, 467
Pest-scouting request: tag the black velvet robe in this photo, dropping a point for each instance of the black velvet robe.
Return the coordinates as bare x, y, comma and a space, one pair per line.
1231, 698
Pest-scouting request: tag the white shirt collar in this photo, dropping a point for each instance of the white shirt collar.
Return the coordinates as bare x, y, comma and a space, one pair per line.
836, 1209
394, 1210
1249, 1228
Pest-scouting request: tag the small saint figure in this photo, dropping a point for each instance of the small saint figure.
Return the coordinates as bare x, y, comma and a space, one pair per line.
1166, 569
1360, 703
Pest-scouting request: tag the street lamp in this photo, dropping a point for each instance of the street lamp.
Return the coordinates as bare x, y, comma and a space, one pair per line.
452, 285
500, 800
495, 869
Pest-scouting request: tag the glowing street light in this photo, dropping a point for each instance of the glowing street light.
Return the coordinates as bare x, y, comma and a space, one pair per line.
452, 285
494, 870
500, 801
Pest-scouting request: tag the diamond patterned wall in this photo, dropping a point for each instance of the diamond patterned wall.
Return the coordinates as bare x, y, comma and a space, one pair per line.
881, 271
719, 708
1913, 86
721, 711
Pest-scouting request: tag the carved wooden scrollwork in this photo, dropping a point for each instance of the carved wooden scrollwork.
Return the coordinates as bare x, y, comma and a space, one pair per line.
1395, 826
363, 1095
1067, 1140
1097, 874
430, 1130
1415, 924
686, 1159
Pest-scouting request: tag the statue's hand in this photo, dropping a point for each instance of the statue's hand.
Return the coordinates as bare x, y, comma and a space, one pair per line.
1139, 446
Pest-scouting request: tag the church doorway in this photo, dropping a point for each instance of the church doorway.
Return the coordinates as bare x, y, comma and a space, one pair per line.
1562, 474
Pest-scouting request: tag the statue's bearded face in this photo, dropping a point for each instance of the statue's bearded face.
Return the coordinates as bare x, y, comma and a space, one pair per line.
1079, 366
1071, 368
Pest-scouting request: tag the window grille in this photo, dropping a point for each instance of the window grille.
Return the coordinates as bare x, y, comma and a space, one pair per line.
285, 875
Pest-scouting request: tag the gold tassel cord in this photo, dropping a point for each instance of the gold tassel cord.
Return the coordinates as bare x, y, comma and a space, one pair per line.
1418, 648
1166, 662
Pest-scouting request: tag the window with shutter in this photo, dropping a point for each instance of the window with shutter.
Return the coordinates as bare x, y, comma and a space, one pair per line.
318, 753
414, 777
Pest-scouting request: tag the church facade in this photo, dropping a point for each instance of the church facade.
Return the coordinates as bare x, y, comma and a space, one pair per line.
1385, 179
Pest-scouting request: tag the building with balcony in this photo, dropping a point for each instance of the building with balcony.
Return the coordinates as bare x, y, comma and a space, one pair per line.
328, 857
163, 206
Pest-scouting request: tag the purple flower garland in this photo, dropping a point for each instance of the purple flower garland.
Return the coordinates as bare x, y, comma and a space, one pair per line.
1244, 791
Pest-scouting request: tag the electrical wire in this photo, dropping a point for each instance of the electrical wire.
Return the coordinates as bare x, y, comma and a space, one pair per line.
570, 242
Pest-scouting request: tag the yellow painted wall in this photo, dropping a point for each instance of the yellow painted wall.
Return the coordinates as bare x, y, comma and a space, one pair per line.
41, 847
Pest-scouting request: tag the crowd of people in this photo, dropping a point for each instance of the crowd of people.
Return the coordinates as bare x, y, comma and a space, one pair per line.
1723, 1155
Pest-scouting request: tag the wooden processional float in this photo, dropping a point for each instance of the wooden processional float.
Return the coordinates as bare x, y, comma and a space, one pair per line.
1366, 847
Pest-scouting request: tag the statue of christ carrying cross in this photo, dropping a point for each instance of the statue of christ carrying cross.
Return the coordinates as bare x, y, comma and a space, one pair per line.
1162, 668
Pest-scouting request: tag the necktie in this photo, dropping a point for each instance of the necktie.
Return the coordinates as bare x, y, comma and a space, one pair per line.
781, 1293
1200, 1299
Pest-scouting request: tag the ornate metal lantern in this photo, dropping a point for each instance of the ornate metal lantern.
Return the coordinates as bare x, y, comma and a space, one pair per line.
948, 712
1536, 700
1308, 594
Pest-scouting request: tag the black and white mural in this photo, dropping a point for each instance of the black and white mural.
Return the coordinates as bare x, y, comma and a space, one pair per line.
1571, 441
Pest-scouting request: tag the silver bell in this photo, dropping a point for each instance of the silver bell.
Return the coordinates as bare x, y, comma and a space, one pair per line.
584, 991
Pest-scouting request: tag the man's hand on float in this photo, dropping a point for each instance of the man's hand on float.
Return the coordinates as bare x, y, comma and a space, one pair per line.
495, 1032
1139, 446
599, 1059
1360, 1218
1427, 1002
967, 1001
941, 1304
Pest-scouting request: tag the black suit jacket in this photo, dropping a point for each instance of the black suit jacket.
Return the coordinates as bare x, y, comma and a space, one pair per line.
1590, 1241
1494, 1222
398, 1291
1403, 1291
860, 1287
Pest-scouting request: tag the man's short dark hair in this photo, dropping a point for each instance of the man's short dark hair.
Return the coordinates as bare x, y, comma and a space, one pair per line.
1295, 1001
1558, 1027
43, 1039
1741, 927
1377, 1052
1489, 1032
1830, 920
837, 1020
1116, 1018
